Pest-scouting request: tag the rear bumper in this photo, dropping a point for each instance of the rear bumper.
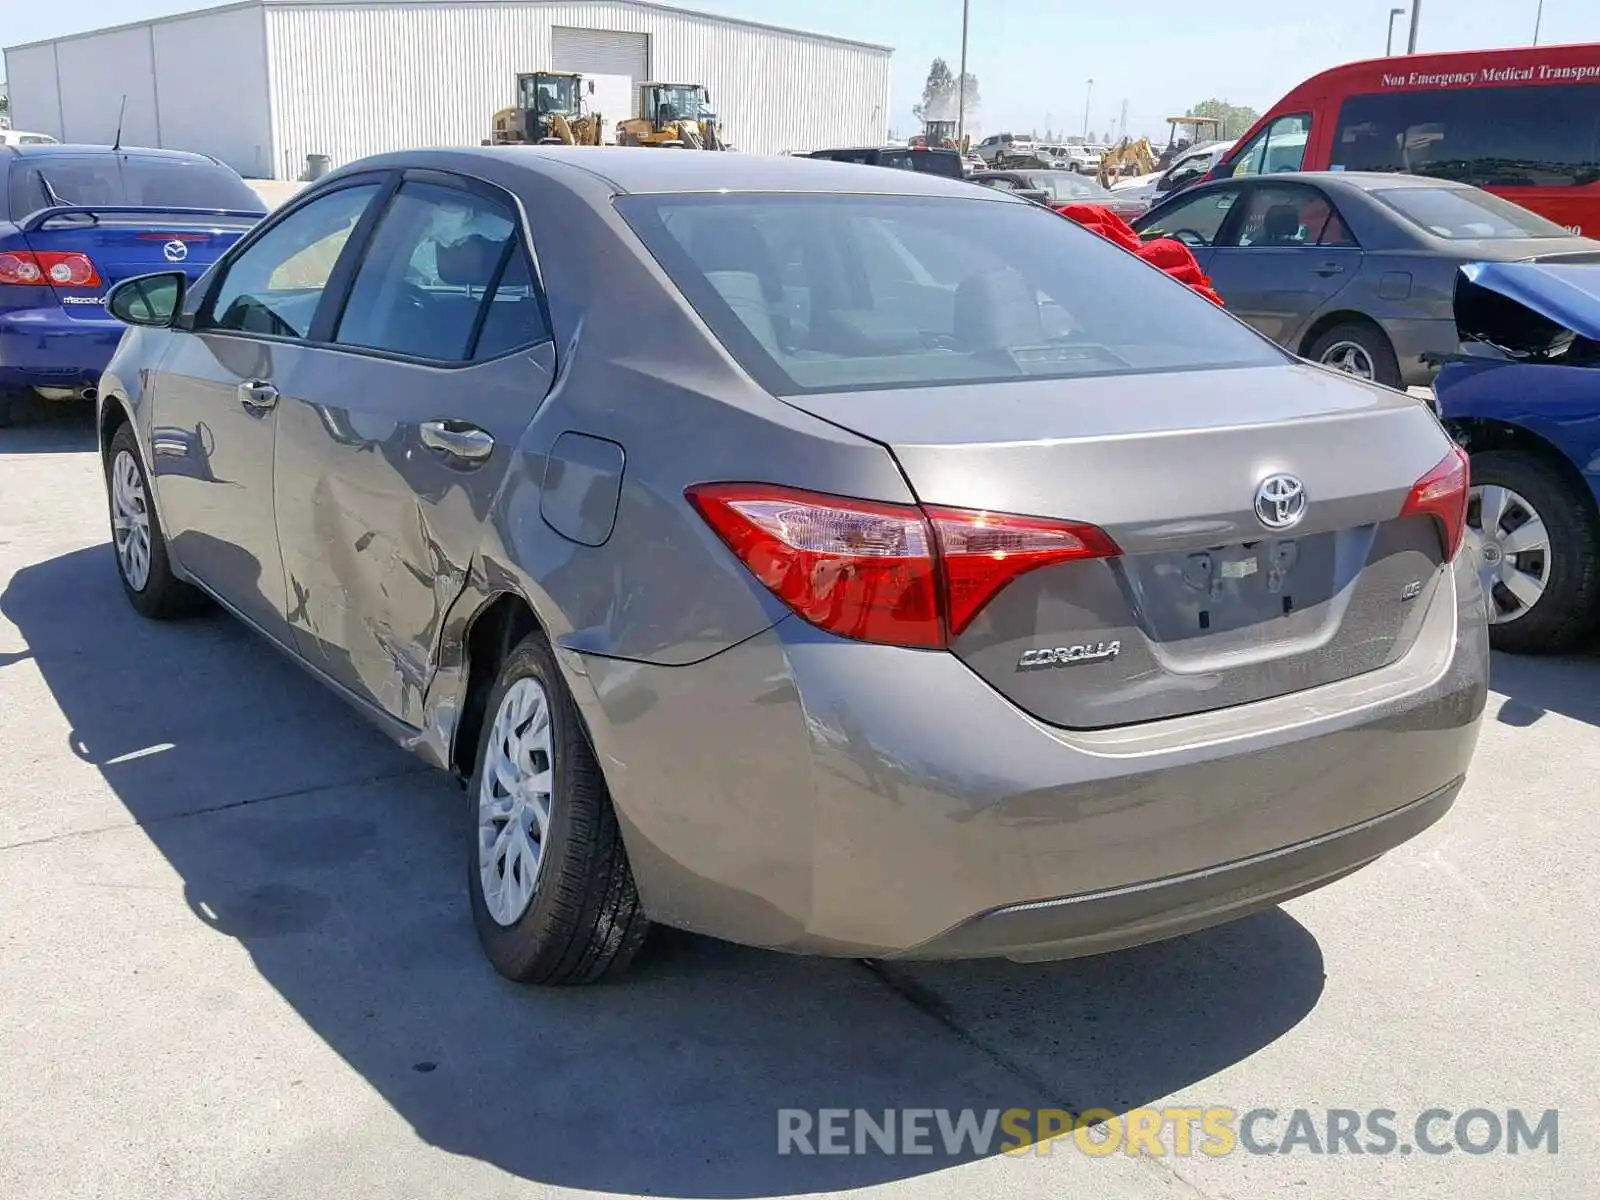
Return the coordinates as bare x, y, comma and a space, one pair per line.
43, 347
805, 793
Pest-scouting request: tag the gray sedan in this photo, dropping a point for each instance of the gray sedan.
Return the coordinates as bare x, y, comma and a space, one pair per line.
821, 557
1350, 269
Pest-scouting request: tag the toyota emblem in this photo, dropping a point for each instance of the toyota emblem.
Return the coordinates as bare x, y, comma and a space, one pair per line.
1280, 501
175, 251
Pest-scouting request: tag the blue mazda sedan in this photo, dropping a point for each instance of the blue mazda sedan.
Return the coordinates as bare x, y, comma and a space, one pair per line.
76, 219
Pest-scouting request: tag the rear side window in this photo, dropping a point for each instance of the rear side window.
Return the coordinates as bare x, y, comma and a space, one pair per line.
112, 179
1465, 214
841, 293
442, 263
1488, 137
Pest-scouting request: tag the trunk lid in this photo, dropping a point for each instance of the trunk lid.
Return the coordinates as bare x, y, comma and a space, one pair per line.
1206, 606
125, 242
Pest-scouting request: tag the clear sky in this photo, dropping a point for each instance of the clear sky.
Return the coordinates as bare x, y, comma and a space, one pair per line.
1033, 57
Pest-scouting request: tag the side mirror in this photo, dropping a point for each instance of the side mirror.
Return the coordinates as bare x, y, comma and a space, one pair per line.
151, 300
1223, 170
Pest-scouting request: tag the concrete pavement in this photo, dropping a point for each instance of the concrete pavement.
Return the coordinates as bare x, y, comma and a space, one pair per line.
236, 961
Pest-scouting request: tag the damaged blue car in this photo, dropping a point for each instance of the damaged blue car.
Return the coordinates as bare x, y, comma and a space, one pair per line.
1523, 397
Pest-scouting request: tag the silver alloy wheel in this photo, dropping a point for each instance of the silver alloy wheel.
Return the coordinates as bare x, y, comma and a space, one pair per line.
130, 520
1513, 549
514, 798
1350, 357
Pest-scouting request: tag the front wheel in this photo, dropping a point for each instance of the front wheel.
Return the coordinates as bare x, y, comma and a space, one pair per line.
1358, 349
552, 894
137, 537
1537, 541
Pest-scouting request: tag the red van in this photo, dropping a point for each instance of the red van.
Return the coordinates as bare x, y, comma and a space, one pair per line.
1523, 123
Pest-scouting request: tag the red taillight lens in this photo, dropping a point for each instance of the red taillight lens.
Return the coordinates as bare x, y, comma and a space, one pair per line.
889, 573
18, 266
857, 569
1442, 495
982, 552
61, 269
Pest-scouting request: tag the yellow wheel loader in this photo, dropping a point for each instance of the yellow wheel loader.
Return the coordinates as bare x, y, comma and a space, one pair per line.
549, 112
941, 135
673, 114
1127, 157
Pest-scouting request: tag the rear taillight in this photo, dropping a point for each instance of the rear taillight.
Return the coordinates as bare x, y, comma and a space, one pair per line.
1442, 495
890, 573
35, 268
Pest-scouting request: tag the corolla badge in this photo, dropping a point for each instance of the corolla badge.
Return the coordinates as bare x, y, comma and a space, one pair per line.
1280, 501
175, 251
1069, 656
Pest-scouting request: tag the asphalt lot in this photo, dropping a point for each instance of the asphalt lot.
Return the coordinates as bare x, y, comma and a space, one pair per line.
235, 961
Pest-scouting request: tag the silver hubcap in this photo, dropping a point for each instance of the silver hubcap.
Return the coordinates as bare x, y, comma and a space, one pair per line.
514, 801
1513, 551
130, 520
1351, 358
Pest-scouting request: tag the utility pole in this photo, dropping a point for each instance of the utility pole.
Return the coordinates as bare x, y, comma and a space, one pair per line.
1416, 19
1538, 19
1122, 125
1086, 98
1388, 46
961, 79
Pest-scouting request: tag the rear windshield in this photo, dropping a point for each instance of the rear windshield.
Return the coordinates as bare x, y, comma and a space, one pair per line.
818, 293
1463, 213
111, 179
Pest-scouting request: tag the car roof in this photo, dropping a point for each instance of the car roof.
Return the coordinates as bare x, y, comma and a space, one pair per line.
80, 150
622, 170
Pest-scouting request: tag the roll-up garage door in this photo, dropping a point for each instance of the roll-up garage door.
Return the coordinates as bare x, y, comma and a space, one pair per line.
601, 52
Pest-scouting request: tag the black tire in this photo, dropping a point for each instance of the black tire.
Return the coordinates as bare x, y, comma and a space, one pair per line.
1372, 341
1569, 610
164, 596
584, 922
9, 404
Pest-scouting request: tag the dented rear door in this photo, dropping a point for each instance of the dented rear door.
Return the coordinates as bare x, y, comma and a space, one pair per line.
396, 433
378, 528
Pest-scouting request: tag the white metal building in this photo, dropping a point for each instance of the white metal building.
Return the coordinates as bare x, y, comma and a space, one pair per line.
263, 83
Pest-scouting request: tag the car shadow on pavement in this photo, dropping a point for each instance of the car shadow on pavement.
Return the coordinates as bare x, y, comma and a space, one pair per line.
48, 427
338, 863
1533, 686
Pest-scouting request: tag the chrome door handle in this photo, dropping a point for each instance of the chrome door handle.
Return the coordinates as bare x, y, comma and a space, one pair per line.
457, 439
1327, 269
258, 396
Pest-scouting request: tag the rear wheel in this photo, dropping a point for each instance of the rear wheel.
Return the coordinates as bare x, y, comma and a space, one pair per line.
1358, 349
552, 894
1538, 548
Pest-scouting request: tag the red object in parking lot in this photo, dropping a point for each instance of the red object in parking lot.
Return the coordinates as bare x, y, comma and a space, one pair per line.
1170, 255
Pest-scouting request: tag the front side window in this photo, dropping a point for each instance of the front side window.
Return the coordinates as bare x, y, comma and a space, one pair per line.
1281, 146
1194, 222
843, 293
276, 283
434, 261
1466, 214
1488, 137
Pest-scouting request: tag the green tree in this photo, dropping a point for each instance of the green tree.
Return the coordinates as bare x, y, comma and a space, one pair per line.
1235, 118
939, 94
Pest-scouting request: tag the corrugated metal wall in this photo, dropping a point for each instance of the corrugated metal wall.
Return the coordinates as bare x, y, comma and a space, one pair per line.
348, 82
31, 85
197, 84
